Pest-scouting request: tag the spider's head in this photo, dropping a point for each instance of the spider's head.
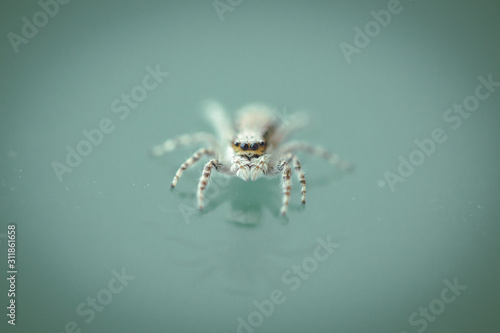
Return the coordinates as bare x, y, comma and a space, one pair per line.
250, 148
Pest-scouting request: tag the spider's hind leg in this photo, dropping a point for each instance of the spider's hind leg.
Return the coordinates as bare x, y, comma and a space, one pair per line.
327, 155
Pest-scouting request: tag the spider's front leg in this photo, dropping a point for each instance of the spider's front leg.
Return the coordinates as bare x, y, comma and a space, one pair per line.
286, 174
205, 177
190, 162
286, 171
301, 178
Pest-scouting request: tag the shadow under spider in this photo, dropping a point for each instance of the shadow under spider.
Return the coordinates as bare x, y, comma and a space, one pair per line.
248, 200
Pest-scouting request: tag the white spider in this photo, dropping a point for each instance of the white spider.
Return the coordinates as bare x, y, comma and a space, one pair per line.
250, 148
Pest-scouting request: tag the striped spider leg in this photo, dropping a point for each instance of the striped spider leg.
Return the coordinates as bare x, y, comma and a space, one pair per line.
283, 168
190, 162
184, 140
205, 177
301, 178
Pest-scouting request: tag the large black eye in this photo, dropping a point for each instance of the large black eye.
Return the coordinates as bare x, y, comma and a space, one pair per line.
254, 146
244, 146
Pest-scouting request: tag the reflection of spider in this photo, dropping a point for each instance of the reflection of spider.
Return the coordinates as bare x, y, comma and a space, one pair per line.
250, 148
240, 265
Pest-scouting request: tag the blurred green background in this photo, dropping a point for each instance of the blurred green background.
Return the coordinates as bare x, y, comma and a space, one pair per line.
400, 242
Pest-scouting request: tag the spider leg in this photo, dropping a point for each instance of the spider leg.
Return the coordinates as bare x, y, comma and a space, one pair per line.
327, 155
300, 177
205, 177
286, 174
300, 174
190, 162
183, 140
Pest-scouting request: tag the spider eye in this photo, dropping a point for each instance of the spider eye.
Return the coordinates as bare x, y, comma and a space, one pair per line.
236, 144
254, 146
262, 143
244, 146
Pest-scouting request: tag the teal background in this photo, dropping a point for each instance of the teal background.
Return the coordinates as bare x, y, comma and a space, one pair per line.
200, 272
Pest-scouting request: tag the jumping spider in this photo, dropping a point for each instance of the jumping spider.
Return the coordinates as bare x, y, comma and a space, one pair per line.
252, 147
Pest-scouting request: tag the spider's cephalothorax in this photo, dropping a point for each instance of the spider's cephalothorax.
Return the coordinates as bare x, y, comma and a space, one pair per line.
249, 160
251, 147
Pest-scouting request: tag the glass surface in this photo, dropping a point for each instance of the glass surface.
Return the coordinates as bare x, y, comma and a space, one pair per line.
408, 91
